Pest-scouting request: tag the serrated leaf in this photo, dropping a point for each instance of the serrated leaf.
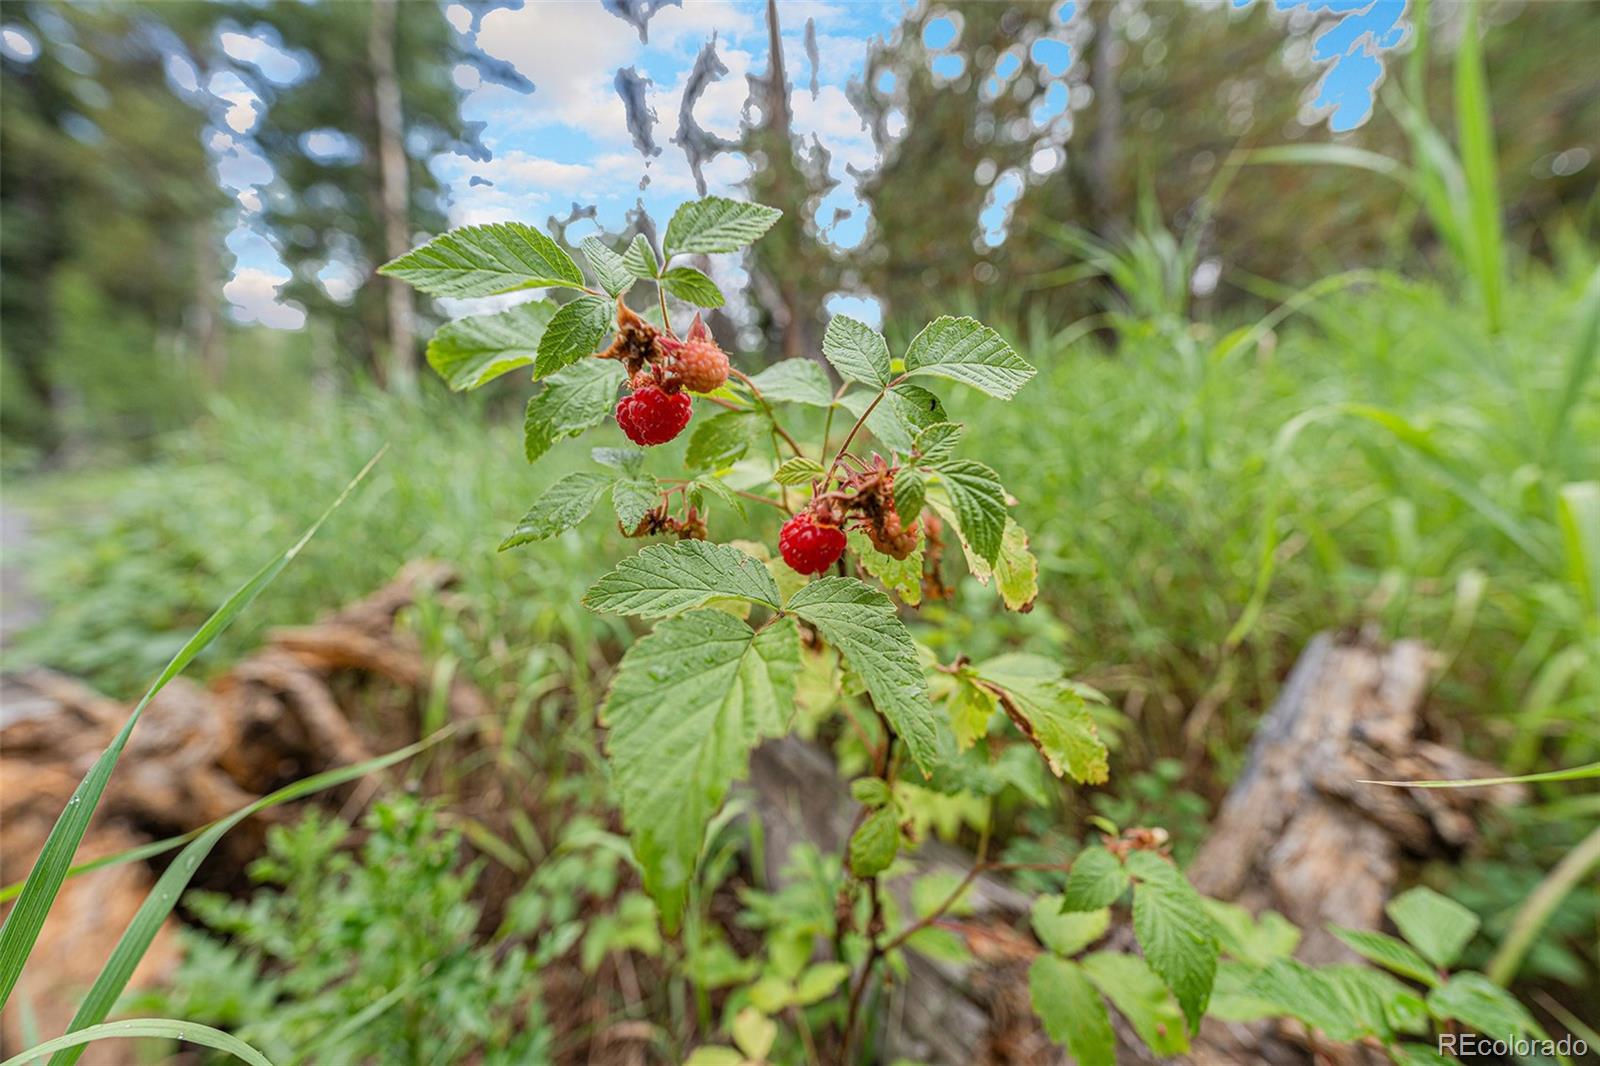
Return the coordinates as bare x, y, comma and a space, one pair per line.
856, 351
667, 579
717, 224
1474, 1000
640, 258
692, 286
1297, 990
573, 400
574, 331
875, 843
937, 442
1016, 571
979, 501
910, 490
861, 622
870, 791
965, 350
1436, 925
1095, 880
1072, 1011
1251, 941
608, 267
1175, 932
635, 497
473, 351
1067, 932
485, 261
562, 506
721, 492
903, 577
1139, 996
689, 702
971, 706
1050, 712
720, 441
1388, 952
628, 460
797, 380
797, 470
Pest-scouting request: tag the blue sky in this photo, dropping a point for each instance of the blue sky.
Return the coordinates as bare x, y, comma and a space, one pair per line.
569, 142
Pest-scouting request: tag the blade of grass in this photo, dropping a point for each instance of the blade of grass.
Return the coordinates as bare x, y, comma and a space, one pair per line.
1540, 904
164, 896
1576, 773
170, 1028
1585, 348
1578, 515
1475, 133
22, 925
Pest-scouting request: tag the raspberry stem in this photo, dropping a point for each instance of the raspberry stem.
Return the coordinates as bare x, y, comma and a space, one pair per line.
762, 400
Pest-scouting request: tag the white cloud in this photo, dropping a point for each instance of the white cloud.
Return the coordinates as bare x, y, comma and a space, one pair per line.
254, 295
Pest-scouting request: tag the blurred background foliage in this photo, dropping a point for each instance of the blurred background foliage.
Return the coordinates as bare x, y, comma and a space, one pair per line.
1270, 400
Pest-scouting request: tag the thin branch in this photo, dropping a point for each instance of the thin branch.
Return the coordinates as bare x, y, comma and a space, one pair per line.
771, 414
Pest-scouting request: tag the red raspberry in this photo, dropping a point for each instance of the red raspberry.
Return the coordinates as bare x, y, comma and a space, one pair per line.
651, 416
808, 546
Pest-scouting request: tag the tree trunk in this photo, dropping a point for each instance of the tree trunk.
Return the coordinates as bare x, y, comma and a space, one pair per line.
1105, 145
400, 368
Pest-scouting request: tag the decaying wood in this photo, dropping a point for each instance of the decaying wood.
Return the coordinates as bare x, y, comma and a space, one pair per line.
199, 753
1298, 834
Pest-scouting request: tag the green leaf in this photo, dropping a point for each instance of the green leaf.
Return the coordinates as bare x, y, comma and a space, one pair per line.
629, 461
165, 1028
609, 268
797, 380
692, 286
666, 579
635, 497
1295, 989
819, 981
861, 622
1419, 1055
640, 258
1016, 570
720, 441
903, 577
937, 443
1436, 925
875, 843
909, 492
1051, 712
1175, 932
979, 501
1251, 941
1138, 994
562, 506
22, 925
575, 331
470, 352
689, 702
717, 224
871, 792
158, 904
1388, 952
971, 706
967, 351
895, 420
722, 492
1073, 1013
797, 470
715, 1055
754, 1033
1474, 1000
1067, 932
857, 352
484, 261
1095, 880
573, 400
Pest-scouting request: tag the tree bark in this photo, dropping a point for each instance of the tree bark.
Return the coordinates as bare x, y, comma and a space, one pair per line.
400, 368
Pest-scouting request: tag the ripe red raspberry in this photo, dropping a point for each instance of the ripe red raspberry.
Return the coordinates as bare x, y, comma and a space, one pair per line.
651, 416
808, 546
696, 361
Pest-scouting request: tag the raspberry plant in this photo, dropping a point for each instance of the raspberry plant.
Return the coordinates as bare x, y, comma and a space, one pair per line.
742, 637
